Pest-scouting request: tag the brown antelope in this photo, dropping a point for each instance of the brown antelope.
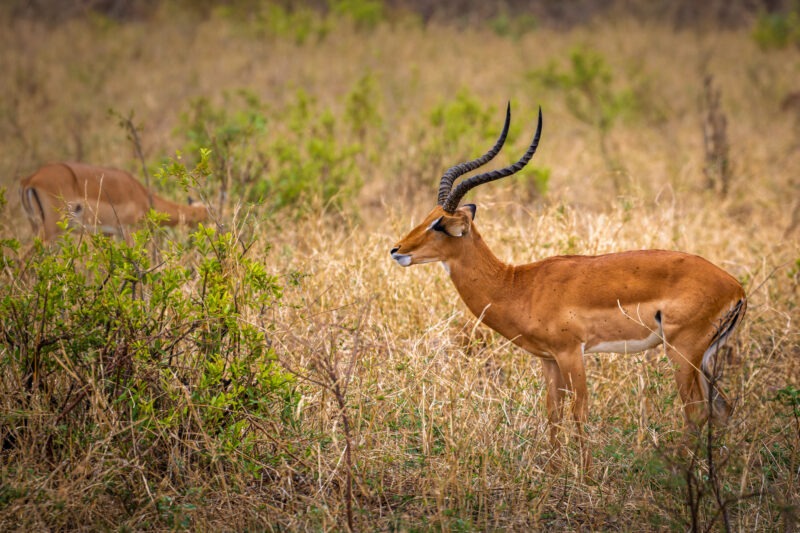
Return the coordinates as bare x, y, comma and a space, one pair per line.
96, 198
563, 307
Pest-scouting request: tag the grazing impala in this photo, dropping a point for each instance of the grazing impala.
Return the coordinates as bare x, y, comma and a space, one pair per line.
563, 307
97, 198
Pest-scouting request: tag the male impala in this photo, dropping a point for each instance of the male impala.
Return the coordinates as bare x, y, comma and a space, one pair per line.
563, 307
97, 198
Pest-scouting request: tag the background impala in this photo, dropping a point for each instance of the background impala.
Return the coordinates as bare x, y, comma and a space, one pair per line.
563, 307
95, 198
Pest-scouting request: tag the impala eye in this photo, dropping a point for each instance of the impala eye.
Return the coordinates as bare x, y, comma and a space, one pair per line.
436, 225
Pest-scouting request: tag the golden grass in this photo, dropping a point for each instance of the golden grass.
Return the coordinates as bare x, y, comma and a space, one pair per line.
448, 418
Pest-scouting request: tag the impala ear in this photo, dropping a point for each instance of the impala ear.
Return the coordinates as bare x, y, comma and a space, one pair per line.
472, 208
455, 226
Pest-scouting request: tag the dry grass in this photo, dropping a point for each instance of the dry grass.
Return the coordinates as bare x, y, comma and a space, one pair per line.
448, 426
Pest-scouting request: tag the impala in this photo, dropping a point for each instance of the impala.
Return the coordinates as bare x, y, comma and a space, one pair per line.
563, 307
97, 198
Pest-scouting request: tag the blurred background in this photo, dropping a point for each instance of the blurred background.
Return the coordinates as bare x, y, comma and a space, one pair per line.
378, 97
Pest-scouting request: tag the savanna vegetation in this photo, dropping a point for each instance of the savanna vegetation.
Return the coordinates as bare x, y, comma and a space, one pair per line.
273, 369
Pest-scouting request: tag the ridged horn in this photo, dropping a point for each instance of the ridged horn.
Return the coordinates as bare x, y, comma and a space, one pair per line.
452, 173
451, 203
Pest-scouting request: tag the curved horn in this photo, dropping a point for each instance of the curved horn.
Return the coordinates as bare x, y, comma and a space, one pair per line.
452, 173
451, 204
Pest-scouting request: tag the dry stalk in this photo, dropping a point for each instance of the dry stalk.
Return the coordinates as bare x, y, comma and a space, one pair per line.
328, 370
717, 167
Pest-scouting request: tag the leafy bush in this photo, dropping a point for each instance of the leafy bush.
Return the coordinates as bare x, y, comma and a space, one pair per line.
536, 181
167, 354
365, 14
464, 120
308, 162
465, 113
588, 87
591, 97
301, 22
231, 131
298, 23
777, 30
361, 106
288, 158
515, 26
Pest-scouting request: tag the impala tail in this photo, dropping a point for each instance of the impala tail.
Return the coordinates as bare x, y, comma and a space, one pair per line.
712, 367
32, 205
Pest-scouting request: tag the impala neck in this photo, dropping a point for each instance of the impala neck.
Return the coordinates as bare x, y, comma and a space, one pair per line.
482, 280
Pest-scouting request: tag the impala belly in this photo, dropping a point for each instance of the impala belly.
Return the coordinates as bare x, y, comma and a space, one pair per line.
625, 346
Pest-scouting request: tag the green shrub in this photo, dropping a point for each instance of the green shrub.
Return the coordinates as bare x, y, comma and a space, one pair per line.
361, 106
591, 96
514, 26
777, 30
464, 126
365, 14
536, 181
588, 86
230, 130
299, 24
465, 120
308, 162
271, 20
102, 340
291, 158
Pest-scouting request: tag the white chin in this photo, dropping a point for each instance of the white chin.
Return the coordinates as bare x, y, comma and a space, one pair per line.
402, 259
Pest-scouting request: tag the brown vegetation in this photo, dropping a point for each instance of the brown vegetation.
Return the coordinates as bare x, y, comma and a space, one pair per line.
403, 412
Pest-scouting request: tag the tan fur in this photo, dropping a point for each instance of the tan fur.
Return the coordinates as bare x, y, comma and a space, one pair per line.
561, 307
96, 198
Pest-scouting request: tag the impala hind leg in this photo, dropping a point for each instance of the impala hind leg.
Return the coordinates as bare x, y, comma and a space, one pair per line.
693, 386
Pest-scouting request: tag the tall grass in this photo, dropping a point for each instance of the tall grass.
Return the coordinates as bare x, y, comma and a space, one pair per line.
277, 371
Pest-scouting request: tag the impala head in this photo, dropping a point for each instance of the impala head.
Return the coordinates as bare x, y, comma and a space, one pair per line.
440, 236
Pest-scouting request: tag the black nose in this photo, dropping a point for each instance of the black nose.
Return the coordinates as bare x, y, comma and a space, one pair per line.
394, 249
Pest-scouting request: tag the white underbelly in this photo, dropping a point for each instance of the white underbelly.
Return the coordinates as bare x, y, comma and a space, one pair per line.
626, 345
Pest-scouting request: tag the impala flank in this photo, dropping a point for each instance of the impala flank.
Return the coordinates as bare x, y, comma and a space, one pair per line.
563, 307
95, 198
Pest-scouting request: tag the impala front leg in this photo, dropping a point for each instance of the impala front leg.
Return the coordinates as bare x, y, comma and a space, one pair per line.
573, 374
556, 389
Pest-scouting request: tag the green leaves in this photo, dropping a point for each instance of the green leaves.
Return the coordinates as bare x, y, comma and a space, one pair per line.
99, 333
306, 161
777, 30
588, 88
